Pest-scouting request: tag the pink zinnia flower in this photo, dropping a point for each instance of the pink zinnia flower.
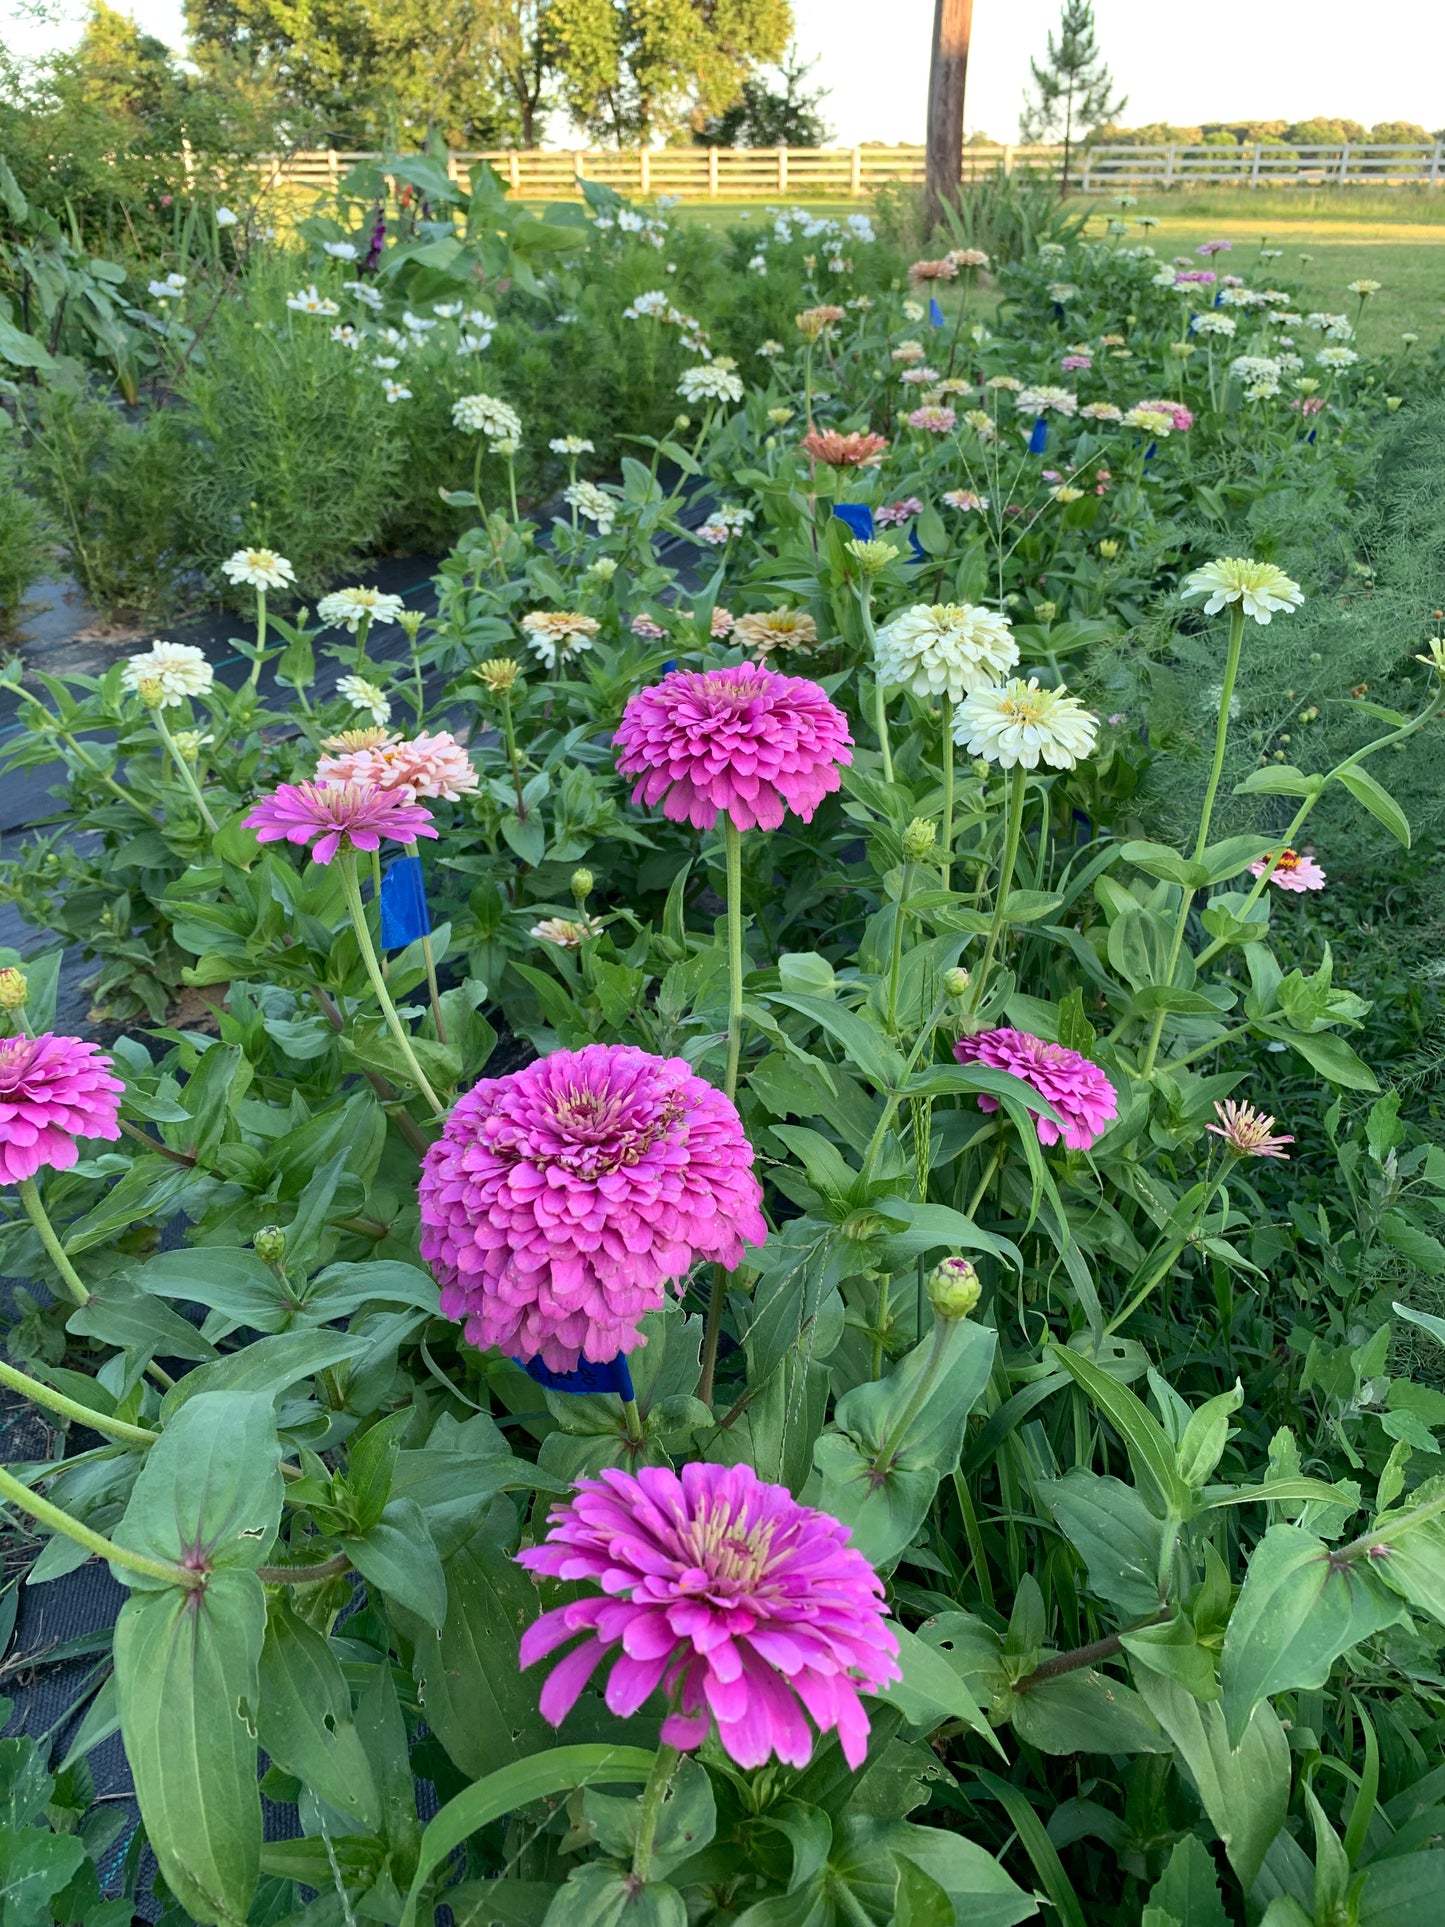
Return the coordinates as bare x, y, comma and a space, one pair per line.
1077, 1089
746, 740
53, 1090
1308, 404
1071, 363
330, 815
561, 1200
432, 766
746, 1608
722, 623
1291, 871
937, 421
1195, 277
647, 629
897, 513
1182, 417
1215, 247
1248, 1132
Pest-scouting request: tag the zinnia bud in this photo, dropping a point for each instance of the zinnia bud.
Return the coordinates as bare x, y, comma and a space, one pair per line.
956, 981
1108, 549
270, 1244
499, 675
13, 989
582, 882
953, 1288
872, 557
918, 839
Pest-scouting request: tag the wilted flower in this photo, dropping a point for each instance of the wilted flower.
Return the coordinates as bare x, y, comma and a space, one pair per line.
812, 321
945, 648
1078, 1090
363, 694
836, 450
944, 270
567, 933
555, 634
747, 741
171, 671
562, 1200
1291, 871
54, 1091
643, 625
335, 816
1260, 586
259, 568
776, 630
1248, 1132
1021, 724
349, 608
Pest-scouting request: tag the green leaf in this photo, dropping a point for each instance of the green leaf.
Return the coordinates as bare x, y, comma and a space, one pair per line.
209, 1490
398, 1555
186, 1675
272, 1365
304, 1718
601, 1894
35, 1864
1150, 1453
1085, 1712
1297, 1612
1188, 1889
866, 1049
1039, 1847
1206, 1435
685, 1825
920, 1901
1279, 779
517, 1786
1224, 860
931, 1690
1158, 860
1376, 799
1116, 1535
1330, 1055
1423, 1250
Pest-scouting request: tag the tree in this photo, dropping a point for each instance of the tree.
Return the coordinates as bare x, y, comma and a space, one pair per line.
1072, 88
770, 115
947, 81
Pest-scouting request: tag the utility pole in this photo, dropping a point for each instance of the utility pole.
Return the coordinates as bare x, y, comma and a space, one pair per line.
947, 77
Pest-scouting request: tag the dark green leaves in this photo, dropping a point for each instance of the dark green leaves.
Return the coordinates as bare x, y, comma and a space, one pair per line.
209, 1493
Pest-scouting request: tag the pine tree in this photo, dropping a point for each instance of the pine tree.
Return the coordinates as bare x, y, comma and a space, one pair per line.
1072, 87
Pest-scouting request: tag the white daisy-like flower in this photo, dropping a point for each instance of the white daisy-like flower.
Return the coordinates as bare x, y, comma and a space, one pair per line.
446, 310
913, 311
1336, 357
311, 301
945, 649
485, 415
394, 391
339, 250
568, 933
365, 696
368, 296
593, 504
226, 217
1260, 586
1213, 322
1021, 724
385, 361
1364, 288
555, 635
170, 289
175, 669
349, 608
416, 323
258, 569
470, 344
1255, 370
572, 445
1046, 401
1151, 421
479, 318
713, 381
1101, 411
657, 302
346, 335
770, 350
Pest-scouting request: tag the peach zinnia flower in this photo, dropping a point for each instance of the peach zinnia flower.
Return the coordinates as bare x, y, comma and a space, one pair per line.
944, 270
1291, 871
429, 766
776, 629
835, 450
1248, 1132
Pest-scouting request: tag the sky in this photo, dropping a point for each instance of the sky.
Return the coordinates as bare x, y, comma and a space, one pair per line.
1226, 60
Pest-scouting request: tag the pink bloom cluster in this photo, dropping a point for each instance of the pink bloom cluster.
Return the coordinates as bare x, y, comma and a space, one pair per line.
53, 1090
896, 513
746, 1608
1308, 405
1078, 1090
1183, 417
331, 816
745, 740
561, 1200
1291, 871
647, 629
722, 623
1195, 277
1072, 363
431, 766
937, 421
1215, 247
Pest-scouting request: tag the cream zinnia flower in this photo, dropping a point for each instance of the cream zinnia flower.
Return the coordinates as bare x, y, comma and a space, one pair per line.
1045, 400
949, 649
1260, 586
258, 568
485, 415
365, 695
566, 932
593, 503
349, 608
711, 381
554, 634
170, 671
1020, 723
781, 630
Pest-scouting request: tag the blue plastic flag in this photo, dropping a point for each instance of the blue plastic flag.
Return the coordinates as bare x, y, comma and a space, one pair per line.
935, 313
404, 915
916, 547
856, 516
1039, 439
587, 1378
1151, 451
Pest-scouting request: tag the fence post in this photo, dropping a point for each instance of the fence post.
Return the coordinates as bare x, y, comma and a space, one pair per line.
1254, 166
514, 169
331, 165
1345, 164
1435, 166
1169, 165
712, 173
1008, 159
1088, 169
644, 171
855, 173
782, 170
452, 174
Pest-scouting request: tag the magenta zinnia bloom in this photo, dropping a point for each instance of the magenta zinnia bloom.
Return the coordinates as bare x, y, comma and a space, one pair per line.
354, 815
561, 1200
1077, 1089
53, 1090
745, 1607
745, 740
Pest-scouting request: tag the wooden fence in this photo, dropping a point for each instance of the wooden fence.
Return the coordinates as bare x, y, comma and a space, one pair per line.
853, 173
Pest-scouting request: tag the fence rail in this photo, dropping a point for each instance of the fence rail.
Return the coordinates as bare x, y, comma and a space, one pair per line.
852, 173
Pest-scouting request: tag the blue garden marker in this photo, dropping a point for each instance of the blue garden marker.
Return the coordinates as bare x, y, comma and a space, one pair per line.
916, 548
404, 915
935, 313
856, 516
1039, 438
587, 1378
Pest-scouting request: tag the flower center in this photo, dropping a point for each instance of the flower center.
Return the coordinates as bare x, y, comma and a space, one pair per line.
725, 1555
15, 1053
1288, 860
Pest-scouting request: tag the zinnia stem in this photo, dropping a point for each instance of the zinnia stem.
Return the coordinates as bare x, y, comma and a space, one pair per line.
36, 1212
1172, 1255
947, 864
900, 919
255, 675
653, 1795
183, 770
888, 1451
94, 1542
509, 731
880, 720
733, 850
378, 984
1018, 783
69, 1408
634, 1420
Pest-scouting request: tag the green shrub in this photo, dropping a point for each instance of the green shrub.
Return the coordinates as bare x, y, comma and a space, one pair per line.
26, 535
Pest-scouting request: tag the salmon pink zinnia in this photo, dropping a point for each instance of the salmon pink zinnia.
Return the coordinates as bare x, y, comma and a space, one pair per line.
426, 765
332, 816
560, 1201
53, 1091
1078, 1090
1291, 871
746, 1608
745, 740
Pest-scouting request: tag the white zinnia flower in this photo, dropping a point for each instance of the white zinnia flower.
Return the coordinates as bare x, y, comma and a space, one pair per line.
590, 502
770, 350
1336, 358
485, 415
572, 445
657, 301
173, 286
948, 648
1043, 401
349, 608
226, 217
365, 695
339, 250
1213, 322
1363, 288
446, 310
175, 667
1261, 587
258, 568
713, 381
1020, 723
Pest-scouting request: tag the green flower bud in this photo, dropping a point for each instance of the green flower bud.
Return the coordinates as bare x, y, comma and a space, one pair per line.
13, 989
953, 1288
872, 557
270, 1244
956, 981
582, 882
919, 838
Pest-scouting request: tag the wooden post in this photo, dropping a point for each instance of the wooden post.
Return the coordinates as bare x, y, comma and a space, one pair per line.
712, 173
331, 165
1254, 166
451, 165
1435, 166
947, 81
1088, 170
514, 169
855, 174
1345, 164
782, 170
1169, 154
644, 171
1008, 159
